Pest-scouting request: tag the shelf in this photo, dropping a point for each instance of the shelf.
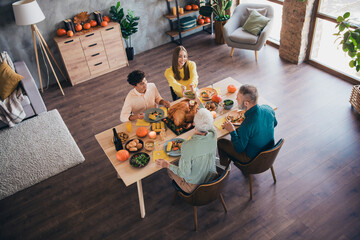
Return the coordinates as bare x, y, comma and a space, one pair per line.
173, 17
175, 32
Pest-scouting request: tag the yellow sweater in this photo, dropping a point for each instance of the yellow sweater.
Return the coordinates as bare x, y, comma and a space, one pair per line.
176, 85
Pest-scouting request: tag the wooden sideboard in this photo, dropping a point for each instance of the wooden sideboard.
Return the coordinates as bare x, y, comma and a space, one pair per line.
89, 54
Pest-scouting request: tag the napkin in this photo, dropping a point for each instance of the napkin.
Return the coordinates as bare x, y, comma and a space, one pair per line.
165, 110
219, 122
142, 122
160, 154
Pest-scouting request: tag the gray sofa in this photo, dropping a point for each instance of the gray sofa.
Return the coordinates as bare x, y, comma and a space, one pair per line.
33, 103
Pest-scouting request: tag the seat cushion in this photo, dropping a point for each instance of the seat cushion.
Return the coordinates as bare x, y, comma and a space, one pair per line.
255, 23
241, 36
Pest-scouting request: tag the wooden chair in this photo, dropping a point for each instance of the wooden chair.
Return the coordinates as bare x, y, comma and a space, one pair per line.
261, 163
204, 193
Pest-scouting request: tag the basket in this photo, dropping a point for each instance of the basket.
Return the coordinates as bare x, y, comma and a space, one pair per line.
355, 98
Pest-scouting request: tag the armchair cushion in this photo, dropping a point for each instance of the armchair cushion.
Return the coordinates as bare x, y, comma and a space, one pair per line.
255, 23
262, 11
240, 35
9, 80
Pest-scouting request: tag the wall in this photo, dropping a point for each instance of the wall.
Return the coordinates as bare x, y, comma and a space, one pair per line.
17, 40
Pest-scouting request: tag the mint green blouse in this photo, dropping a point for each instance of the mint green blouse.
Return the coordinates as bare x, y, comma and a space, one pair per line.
197, 162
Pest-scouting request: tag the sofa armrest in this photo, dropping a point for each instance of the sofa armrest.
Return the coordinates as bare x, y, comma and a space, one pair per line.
30, 88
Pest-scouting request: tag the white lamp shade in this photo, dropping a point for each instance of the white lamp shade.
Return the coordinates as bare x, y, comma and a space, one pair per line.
27, 12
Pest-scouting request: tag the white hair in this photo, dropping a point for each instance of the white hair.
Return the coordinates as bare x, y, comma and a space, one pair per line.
203, 120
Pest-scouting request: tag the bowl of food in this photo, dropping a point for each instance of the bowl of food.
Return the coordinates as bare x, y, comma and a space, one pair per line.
149, 145
189, 95
211, 106
123, 136
139, 160
134, 145
207, 93
228, 104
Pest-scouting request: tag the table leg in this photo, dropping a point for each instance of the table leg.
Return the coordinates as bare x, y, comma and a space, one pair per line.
141, 198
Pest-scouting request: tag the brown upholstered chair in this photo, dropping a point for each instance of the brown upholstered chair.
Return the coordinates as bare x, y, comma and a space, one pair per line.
204, 193
261, 163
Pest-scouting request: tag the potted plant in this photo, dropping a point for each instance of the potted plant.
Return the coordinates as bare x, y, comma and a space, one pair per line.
220, 9
128, 26
350, 40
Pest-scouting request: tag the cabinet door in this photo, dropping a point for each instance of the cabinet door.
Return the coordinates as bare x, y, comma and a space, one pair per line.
74, 60
114, 47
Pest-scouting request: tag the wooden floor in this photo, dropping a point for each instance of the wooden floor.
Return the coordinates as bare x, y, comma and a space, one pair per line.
317, 195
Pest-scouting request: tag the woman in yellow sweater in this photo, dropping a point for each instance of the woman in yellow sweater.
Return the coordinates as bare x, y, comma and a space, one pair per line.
182, 73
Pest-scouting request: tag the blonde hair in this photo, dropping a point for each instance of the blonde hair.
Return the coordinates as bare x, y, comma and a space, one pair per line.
175, 64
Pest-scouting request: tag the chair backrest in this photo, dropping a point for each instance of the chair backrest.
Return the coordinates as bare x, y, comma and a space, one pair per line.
207, 192
263, 161
241, 12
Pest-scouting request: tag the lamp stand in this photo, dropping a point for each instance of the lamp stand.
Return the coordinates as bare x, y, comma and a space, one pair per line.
44, 46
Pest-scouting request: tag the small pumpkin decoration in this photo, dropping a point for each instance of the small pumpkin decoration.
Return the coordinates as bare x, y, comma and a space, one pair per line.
122, 155
231, 88
216, 98
61, 32
141, 132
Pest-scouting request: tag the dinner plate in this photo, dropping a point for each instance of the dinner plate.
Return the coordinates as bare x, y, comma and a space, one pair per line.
210, 92
153, 110
236, 117
173, 153
139, 160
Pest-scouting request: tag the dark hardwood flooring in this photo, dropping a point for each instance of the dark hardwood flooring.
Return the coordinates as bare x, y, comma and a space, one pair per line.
317, 195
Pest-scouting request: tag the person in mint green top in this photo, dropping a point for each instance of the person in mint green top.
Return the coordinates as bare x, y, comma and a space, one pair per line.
254, 135
198, 154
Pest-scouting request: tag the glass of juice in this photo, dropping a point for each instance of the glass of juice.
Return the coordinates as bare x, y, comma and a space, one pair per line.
128, 126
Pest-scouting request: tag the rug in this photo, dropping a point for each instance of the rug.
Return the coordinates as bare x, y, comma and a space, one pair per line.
35, 150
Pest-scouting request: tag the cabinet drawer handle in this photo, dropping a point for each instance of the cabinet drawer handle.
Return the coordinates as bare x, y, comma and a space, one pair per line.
109, 29
69, 41
98, 64
89, 35
95, 54
93, 45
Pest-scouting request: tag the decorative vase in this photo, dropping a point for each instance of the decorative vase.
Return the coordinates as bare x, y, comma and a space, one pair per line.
219, 32
130, 53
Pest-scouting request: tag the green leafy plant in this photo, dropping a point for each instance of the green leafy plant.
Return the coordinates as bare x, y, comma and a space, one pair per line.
350, 40
219, 8
128, 24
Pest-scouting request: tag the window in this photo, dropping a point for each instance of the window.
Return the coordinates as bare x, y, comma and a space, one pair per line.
324, 50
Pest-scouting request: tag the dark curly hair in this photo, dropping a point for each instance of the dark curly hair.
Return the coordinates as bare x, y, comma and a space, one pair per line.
135, 77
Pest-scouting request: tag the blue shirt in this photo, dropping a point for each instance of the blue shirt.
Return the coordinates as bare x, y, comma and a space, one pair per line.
256, 133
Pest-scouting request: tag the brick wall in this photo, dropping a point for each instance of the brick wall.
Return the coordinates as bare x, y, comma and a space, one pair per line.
295, 30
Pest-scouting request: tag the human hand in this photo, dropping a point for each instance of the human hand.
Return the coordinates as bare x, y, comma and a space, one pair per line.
140, 115
166, 104
228, 126
183, 89
162, 163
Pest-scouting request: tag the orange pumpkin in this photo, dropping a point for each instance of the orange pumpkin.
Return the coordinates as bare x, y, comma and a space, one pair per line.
70, 33
78, 27
104, 23
93, 23
141, 132
194, 7
231, 88
87, 26
188, 7
216, 98
122, 155
106, 18
61, 32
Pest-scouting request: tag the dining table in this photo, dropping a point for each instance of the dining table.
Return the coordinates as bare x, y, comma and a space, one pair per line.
129, 174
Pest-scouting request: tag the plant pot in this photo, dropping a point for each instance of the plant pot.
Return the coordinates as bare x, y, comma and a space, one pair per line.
130, 53
219, 32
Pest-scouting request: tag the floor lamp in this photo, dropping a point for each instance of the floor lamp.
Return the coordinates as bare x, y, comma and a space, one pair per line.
28, 12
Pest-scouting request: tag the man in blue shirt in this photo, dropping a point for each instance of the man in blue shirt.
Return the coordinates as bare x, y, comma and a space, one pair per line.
255, 134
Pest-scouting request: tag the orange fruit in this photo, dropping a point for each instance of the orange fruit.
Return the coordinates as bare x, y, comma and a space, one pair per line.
201, 21
195, 7
61, 32
93, 23
78, 27
207, 20
214, 114
188, 7
87, 26
104, 23
106, 18
70, 33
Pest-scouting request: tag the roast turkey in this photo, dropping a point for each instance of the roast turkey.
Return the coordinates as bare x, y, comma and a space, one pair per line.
183, 112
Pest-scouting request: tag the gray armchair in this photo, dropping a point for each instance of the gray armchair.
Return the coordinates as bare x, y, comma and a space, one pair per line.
236, 37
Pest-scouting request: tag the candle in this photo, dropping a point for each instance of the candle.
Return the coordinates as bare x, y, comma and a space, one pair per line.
181, 11
152, 134
174, 11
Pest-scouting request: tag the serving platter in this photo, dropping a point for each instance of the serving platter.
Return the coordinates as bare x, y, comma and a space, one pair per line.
176, 129
154, 115
207, 93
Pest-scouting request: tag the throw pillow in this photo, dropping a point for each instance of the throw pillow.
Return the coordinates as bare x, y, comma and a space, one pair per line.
255, 23
4, 56
9, 80
262, 11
